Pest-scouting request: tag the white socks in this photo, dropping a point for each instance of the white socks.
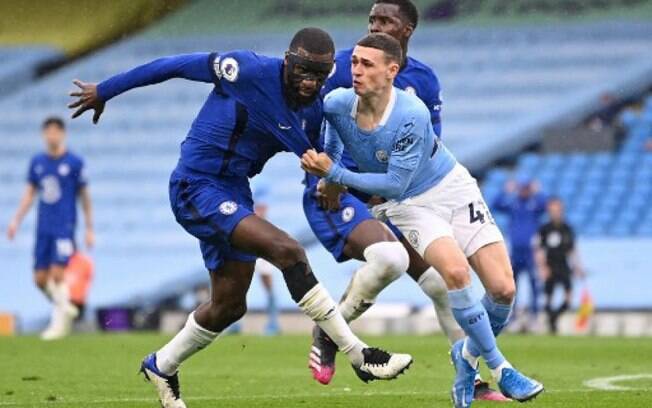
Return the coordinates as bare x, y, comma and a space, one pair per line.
386, 261
191, 339
434, 286
320, 307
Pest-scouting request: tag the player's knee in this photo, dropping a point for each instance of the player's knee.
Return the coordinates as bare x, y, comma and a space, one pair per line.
286, 253
390, 257
504, 291
457, 276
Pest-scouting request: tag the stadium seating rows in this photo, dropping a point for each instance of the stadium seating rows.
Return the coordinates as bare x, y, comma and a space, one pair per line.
19, 65
605, 194
499, 86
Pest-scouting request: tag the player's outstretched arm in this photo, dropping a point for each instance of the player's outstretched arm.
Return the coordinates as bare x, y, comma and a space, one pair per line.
194, 67
24, 206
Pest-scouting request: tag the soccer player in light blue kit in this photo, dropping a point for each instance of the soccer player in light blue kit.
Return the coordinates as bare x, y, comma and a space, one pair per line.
259, 106
433, 200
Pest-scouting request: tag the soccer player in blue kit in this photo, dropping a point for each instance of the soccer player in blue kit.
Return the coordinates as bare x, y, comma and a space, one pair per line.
432, 200
257, 108
57, 177
349, 231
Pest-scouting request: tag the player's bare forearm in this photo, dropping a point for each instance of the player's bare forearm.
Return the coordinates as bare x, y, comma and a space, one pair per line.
87, 209
25, 204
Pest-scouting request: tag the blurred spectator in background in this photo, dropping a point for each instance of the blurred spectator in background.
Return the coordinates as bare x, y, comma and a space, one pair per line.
56, 176
524, 204
557, 260
266, 269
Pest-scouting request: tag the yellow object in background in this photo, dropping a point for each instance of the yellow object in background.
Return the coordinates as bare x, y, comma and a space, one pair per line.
585, 311
78, 26
7, 324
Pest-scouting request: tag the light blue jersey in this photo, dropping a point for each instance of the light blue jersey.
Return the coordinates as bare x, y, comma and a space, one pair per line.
400, 158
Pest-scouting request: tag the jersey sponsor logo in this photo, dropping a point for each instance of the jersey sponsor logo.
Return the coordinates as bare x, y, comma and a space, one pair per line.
410, 90
413, 238
402, 144
348, 213
229, 69
63, 169
228, 207
50, 189
382, 156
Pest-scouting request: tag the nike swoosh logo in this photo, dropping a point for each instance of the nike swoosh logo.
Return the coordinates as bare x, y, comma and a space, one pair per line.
284, 127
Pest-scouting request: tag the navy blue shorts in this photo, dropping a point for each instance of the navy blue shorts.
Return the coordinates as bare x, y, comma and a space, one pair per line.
53, 249
209, 208
333, 228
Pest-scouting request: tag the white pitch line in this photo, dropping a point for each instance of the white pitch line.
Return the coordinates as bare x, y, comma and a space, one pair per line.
607, 383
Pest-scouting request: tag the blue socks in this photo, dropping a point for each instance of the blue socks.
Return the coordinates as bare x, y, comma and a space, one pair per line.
472, 316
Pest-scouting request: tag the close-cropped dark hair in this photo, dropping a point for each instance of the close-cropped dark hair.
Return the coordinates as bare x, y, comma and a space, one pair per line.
406, 8
313, 40
53, 121
386, 43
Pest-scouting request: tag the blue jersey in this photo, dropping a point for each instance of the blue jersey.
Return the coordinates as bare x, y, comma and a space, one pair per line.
400, 158
245, 119
58, 181
524, 216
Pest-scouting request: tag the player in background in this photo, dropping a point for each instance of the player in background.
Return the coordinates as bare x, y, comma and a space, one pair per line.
433, 200
57, 177
522, 201
265, 269
258, 107
557, 259
350, 232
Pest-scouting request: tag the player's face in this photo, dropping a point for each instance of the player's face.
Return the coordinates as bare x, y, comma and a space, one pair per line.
306, 73
54, 137
556, 210
371, 72
386, 18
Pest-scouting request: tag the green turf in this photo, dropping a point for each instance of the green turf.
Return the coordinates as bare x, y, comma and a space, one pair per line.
100, 371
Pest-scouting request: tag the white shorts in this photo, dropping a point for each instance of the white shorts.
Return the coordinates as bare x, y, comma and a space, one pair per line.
453, 208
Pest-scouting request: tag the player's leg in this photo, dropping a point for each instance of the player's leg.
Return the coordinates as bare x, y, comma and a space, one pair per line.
385, 260
548, 290
272, 327
256, 235
351, 232
434, 286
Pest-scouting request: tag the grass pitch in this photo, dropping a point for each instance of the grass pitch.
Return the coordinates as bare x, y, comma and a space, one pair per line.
237, 371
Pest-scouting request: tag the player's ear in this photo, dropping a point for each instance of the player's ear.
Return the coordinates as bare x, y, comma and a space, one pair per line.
408, 30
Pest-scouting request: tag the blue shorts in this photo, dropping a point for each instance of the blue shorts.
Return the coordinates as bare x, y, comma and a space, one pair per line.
333, 228
209, 208
53, 249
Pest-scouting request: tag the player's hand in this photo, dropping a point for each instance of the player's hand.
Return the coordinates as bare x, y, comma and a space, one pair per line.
375, 200
87, 99
315, 163
90, 239
11, 230
328, 195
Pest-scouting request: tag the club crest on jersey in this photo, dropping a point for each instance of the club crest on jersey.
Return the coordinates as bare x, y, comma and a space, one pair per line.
347, 214
413, 238
410, 90
228, 207
382, 156
63, 170
229, 69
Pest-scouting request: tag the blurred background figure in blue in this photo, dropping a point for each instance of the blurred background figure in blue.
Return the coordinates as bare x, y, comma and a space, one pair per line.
524, 205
